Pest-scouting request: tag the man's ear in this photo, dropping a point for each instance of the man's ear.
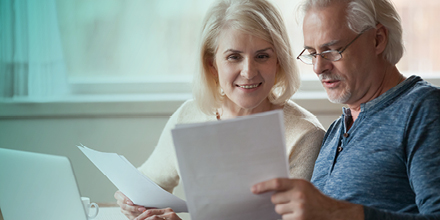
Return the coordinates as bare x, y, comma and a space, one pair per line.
381, 38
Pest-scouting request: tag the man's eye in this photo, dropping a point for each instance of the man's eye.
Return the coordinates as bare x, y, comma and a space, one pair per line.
311, 52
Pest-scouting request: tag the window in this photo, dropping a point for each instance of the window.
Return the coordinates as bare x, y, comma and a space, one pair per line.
420, 33
112, 43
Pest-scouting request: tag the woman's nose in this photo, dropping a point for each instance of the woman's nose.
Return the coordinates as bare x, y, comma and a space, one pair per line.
249, 69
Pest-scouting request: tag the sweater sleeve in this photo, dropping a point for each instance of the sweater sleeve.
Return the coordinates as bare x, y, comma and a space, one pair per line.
303, 156
422, 160
376, 214
161, 166
304, 135
423, 152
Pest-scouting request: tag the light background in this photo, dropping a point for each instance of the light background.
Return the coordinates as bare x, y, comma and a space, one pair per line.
118, 41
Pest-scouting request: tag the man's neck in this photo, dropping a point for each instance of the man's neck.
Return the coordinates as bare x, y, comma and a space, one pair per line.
391, 78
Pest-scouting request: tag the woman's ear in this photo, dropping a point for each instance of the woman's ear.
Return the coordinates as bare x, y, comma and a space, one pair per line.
381, 38
212, 67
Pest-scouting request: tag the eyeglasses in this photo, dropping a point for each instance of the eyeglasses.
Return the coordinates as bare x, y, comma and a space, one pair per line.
332, 55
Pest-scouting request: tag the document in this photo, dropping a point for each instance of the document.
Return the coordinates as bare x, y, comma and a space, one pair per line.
136, 186
220, 161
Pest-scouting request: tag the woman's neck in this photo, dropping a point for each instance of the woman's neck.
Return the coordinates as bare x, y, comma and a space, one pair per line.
231, 110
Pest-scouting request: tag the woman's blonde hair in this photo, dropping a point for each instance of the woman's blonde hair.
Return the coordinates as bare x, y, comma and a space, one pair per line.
258, 18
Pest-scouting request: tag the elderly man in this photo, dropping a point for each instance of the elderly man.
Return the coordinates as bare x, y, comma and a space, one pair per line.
381, 159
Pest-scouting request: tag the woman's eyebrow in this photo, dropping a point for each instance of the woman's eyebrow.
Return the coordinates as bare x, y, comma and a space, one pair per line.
238, 51
233, 51
262, 50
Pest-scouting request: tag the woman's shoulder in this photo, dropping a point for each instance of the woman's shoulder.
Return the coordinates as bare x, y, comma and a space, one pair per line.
189, 112
189, 105
295, 115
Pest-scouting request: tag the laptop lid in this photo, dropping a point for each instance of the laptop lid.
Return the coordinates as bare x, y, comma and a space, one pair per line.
38, 186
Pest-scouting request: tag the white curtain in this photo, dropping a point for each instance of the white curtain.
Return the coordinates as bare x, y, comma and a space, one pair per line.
31, 56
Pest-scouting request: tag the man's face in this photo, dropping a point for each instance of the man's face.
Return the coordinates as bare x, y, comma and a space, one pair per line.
347, 80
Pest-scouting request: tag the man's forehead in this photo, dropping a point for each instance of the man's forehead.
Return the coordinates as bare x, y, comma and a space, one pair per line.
324, 27
331, 12
325, 37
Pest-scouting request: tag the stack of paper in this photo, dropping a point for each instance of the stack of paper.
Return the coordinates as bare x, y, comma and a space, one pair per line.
136, 186
220, 161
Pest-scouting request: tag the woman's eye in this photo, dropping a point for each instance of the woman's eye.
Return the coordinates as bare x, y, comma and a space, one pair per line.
262, 56
233, 57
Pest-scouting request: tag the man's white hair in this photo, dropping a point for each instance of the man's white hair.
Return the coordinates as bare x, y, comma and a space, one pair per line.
362, 14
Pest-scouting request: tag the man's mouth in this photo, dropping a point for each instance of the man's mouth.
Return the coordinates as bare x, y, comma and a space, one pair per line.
329, 81
330, 84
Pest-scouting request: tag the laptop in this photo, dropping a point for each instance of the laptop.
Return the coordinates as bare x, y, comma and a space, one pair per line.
38, 187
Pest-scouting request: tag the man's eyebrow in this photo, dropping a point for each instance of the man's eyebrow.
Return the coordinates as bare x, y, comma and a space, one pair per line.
331, 43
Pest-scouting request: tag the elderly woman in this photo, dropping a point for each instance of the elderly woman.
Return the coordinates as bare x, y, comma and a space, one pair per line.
246, 67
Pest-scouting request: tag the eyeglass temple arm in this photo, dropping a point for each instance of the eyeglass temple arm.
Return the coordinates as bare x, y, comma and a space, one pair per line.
300, 54
353, 40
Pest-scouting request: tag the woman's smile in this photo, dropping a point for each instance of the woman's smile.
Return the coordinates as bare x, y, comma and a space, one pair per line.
249, 86
246, 67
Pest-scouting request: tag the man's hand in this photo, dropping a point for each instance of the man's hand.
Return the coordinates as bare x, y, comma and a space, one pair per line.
298, 199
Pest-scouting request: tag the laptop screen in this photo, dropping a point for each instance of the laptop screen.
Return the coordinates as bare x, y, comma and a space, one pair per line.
38, 186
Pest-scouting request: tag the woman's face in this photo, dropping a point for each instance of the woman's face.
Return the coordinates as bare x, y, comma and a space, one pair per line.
246, 67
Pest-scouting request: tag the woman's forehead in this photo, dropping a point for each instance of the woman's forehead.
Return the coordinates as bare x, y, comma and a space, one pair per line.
237, 38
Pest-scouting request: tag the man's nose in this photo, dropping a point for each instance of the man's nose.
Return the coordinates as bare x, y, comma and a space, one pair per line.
321, 65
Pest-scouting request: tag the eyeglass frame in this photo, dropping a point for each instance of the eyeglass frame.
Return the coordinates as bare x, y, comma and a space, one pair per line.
328, 51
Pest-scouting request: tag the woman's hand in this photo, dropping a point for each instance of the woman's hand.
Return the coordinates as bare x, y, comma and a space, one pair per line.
127, 207
158, 214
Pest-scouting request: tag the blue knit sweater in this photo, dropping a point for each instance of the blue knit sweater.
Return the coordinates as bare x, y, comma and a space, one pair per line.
389, 160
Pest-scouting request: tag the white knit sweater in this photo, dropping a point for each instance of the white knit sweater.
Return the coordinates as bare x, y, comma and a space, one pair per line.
304, 135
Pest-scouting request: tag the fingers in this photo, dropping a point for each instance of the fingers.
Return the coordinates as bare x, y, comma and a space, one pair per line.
158, 214
156, 217
133, 208
121, 198
278, 184
284, 209
128, 206
130, 210
152, 212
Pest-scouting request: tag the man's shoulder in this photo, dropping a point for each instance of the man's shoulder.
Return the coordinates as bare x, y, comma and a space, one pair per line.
422, 93
409, 95
421, 88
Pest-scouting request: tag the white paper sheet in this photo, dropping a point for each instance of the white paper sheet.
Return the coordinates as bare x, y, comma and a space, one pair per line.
220, 161
136, 186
